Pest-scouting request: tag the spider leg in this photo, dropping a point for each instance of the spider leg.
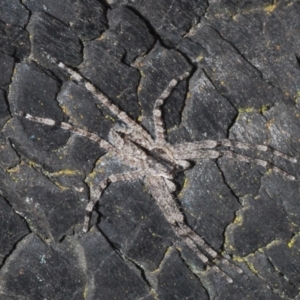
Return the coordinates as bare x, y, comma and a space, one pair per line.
142, 137
68, 127
160, 192
259, 162
96, 192
185, 230
180, 149
192, 153
193, 240
264, 148
158, 124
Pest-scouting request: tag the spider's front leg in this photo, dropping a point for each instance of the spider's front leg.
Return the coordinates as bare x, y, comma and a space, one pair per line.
70, 128
158, 123
140, 136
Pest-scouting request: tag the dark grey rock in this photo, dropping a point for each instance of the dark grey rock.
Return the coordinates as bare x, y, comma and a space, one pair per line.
50, 210
130, 32
285, 193
36, 270
108, 275
245, 286
14, 41
4, 113
284, 258
170, 19
13, 229
85, 17
244, 87
267, 36
6, 66
74, 100
33, 91
8, 157
243, 61
48, 146
206, 112
51, 37
134, 224
14, 13
103, 67
285, 135
206, 211
250, 126
176, 281
266, 268
242, 178
260, 221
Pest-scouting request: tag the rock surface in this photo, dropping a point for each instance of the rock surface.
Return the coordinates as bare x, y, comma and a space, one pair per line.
244, 66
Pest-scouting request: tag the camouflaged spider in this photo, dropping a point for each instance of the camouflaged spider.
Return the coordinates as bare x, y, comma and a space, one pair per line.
155, 161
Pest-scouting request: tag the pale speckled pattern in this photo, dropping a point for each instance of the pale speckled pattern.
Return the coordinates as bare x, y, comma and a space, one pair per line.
156, 161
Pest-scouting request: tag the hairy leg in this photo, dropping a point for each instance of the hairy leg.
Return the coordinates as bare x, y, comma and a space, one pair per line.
160, 192
183, 149
96, 192
192, 153
68, 127
141, 136
158, 124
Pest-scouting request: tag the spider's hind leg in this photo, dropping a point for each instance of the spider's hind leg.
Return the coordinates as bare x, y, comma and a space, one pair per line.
96, 193
195, 243
161, 193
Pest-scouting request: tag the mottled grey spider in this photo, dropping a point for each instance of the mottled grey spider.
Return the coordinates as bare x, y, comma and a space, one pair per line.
156, 162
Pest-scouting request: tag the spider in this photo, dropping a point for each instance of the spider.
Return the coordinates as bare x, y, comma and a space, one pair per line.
156, 162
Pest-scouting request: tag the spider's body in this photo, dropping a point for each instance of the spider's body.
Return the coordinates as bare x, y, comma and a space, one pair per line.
156, 162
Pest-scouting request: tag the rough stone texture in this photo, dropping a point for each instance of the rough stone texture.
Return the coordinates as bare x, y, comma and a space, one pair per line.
51, 37
4, 113
267, 220
85, 17
50, 209
6, 65
206, 211
206, 112
169, 19
13, 228
267, 37
37, 266
103, 66
14, 13
174, 280
14, 41
135, 225
245, 286
243, 60
130, 32
243, 87
108, 274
